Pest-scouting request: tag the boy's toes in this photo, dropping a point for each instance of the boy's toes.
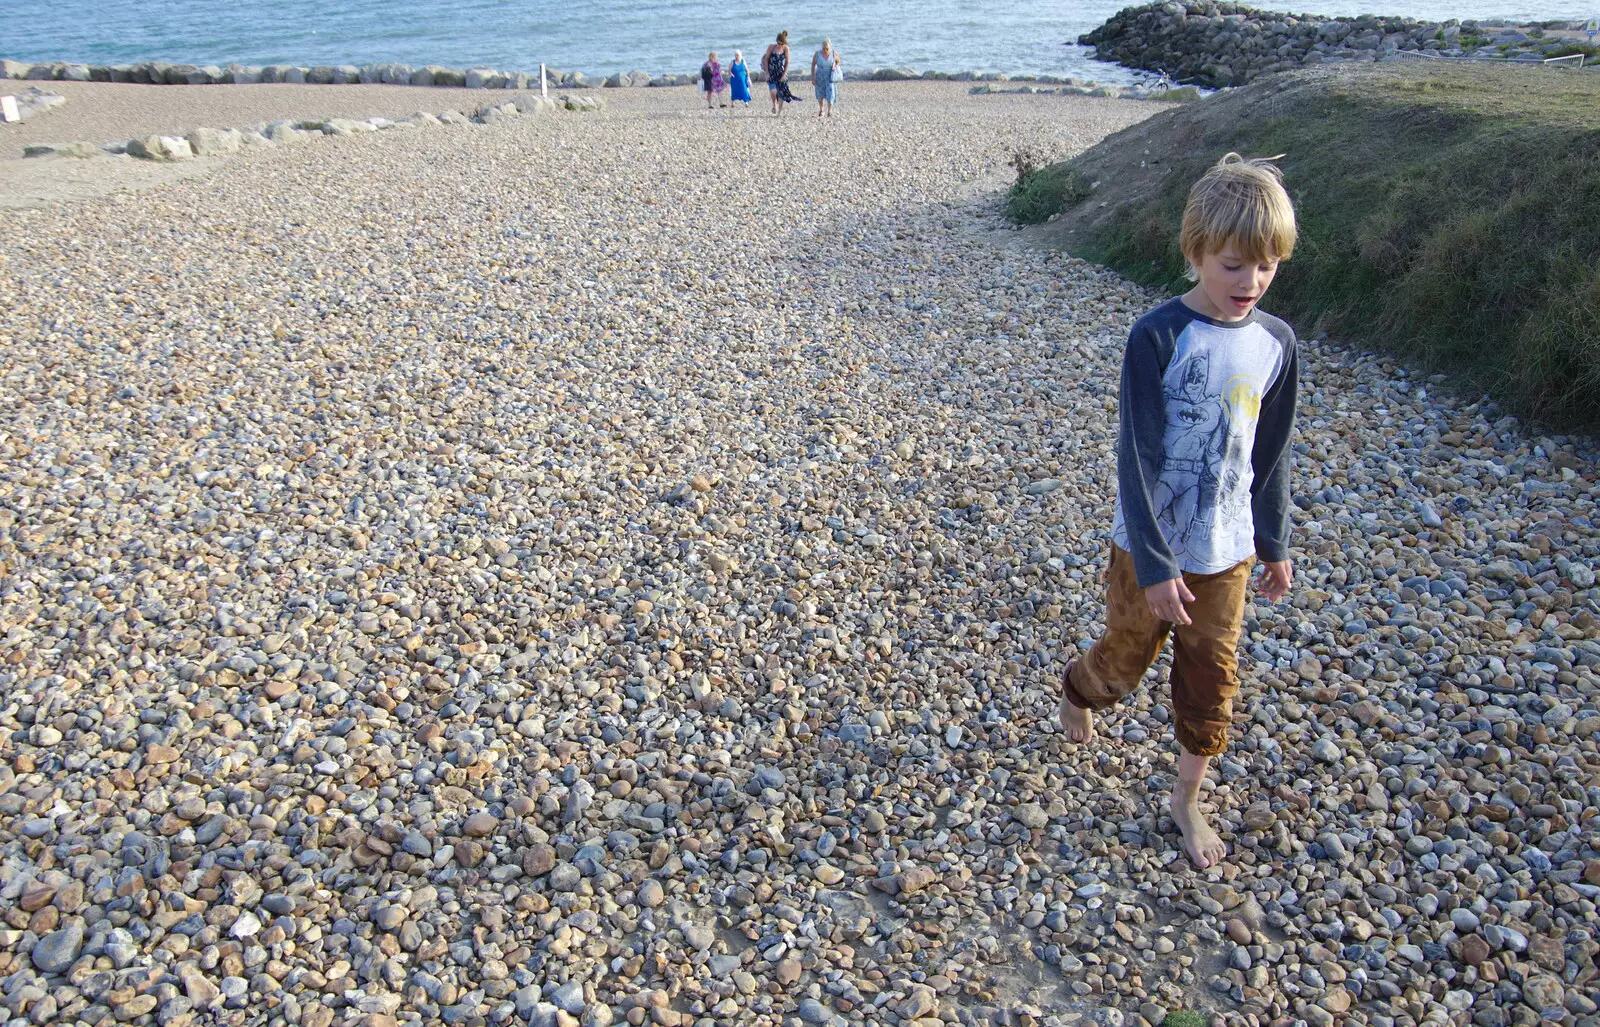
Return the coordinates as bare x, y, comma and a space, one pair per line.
1078, 723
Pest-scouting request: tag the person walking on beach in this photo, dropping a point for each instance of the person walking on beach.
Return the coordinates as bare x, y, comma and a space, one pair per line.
739, 79
825, 65
776, 63
1206, 412
711, 80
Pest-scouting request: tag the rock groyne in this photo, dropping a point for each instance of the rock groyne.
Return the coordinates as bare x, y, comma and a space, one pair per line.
1228, 44
165, 74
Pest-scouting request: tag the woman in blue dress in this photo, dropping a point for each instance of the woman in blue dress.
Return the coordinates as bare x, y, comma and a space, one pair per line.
739, 77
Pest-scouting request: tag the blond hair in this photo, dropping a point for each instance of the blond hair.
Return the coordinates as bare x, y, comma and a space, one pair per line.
1241, 203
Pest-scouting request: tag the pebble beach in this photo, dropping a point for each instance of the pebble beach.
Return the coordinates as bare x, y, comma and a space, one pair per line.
617, 567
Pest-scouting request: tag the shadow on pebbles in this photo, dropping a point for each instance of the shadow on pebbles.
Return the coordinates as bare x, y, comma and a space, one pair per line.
618, 568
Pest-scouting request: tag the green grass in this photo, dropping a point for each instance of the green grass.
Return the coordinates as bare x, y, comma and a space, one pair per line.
1572, 49
1186, 1018
1449, 217
1040, 192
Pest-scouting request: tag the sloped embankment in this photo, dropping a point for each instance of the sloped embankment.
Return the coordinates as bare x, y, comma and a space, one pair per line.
1449, 214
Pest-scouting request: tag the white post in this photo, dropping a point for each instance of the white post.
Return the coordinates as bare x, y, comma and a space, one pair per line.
8, 109
544, 84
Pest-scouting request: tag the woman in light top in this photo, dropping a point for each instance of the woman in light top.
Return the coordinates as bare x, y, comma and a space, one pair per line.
826, 70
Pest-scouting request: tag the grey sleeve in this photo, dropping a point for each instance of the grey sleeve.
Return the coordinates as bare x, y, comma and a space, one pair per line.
1269, 460
1143, 415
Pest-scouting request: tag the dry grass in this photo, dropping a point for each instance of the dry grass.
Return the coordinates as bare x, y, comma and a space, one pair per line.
1449, 214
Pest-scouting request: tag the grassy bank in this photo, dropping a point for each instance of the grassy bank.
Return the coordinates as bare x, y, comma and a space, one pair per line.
1448, 214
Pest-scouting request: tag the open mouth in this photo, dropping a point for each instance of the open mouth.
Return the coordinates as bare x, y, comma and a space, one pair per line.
1242, 301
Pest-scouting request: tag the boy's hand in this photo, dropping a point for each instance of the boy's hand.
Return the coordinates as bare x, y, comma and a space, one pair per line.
1166, 600
1275, 579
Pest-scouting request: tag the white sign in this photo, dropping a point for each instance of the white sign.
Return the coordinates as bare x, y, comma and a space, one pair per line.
8, 109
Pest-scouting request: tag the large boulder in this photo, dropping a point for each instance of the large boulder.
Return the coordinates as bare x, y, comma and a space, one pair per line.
211, 142
78, 149
101, 73
575, 80
14, 69
162, 148
346, 127
397, 74
453, 117
485, 78
371, 74
448, 76
44, 72
583, 104
296, 75
321, 75
283, 133
122, 73
243, 75
346, 74
422, 76
535, 104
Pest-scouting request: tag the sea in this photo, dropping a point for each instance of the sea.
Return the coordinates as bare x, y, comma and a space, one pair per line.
604, 36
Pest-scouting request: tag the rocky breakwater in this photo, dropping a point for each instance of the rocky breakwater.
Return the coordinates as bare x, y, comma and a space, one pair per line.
162, 73
1224, 44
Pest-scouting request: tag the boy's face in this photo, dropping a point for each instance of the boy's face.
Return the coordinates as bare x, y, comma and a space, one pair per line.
1230, 286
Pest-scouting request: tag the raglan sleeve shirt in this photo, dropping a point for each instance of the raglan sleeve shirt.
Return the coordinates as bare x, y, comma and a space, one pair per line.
1270, 457
1210, 358
1140, 437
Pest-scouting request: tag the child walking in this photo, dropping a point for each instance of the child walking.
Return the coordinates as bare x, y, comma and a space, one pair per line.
1207, 410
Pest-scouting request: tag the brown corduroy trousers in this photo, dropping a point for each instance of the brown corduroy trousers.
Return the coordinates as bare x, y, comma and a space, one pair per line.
1205, 654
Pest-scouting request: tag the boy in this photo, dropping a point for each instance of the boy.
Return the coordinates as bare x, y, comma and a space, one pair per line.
1207, 409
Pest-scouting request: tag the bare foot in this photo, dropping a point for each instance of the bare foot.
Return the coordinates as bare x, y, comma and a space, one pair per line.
1076, 721
1202, 845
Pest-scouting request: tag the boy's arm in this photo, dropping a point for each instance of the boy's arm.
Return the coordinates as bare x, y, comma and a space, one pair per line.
1269, 460
1142, 411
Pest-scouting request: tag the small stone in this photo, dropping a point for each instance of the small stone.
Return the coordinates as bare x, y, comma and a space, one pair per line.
1325, 750
538, 859
1474, 950
1031, 815
480, 825
1543, 993
651, 894
57, 951
827, 873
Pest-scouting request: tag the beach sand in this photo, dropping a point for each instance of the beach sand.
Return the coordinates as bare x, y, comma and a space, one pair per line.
621, 564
